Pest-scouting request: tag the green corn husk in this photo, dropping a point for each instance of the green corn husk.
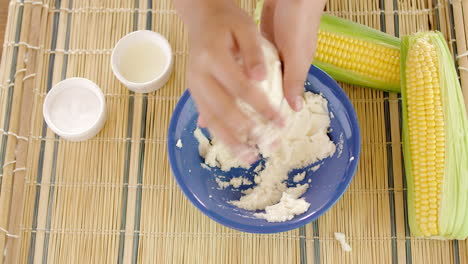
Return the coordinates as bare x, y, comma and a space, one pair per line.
452, 208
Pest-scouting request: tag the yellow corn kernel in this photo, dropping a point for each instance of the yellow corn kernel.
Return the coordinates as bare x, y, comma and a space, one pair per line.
358, 56
426, 137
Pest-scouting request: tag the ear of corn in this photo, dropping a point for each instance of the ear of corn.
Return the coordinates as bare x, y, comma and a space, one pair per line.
356, 54
435, 138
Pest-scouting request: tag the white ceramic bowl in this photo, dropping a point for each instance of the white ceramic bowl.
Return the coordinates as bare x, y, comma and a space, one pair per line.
136, 38
75, 109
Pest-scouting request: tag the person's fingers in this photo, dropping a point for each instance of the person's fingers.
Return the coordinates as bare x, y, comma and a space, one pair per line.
241, 150
267, 19
221, 107
290, 42
217, 124
249, 46
230, 75
296, 64
293, 91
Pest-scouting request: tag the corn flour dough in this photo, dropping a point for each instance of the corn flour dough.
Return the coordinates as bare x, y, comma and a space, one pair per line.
303, 141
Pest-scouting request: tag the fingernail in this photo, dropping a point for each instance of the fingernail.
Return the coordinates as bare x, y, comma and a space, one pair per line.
258, 72
298, 103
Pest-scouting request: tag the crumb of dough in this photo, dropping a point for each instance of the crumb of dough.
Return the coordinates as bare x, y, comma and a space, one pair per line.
299, 177
285, 210
205, 166
179, 143
315, 168
203, 142
341, 237
239, 181
258, 168
340, 145
235, 182
247, 191
222, 184
257, 179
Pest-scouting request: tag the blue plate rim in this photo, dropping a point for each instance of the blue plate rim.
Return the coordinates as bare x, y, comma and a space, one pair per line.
283, 226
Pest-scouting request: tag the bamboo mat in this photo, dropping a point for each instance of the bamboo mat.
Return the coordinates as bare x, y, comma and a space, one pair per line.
113, 199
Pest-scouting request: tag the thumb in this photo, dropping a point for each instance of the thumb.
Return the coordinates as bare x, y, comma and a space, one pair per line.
267, 18
295, 73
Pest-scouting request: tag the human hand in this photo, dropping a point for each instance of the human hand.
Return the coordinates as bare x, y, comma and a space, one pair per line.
221, 35
293, 26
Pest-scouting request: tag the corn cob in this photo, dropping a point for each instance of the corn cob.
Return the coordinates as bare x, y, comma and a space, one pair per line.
356, 54
435, 138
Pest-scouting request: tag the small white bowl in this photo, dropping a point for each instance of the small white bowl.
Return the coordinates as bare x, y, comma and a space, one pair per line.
137, 41
75, 109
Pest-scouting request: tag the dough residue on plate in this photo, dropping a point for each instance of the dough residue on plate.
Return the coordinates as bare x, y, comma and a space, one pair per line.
299, 177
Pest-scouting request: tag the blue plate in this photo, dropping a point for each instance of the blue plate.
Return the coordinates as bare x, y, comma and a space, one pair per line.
328, 184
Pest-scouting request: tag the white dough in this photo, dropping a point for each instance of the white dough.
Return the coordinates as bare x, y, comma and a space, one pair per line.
222, 184
285, 210
239, 181
235, 182
315, 168
299, 177
297, 191
203, 142
179, 143
258, 168
304, 141
342, 239
206, 167
217, 154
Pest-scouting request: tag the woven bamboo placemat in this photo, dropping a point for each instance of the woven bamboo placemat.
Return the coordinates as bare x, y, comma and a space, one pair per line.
113, 199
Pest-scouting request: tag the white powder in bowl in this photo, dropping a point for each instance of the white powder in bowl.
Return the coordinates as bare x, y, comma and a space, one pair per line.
74, 110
